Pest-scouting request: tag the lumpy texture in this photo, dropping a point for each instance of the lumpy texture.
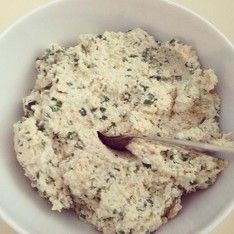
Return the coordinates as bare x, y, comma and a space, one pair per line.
119, 83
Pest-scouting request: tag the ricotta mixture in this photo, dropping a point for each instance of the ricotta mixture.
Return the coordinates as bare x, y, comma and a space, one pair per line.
119, 83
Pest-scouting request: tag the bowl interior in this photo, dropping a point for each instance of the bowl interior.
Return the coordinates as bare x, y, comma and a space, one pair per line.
62, 22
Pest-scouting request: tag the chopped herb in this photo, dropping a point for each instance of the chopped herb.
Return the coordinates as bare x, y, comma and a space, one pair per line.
148, 55
170, 155
117, 169
57, 106
82, 216
133, 55
193, 182
185, 157
178, 77
172, 41
129, 69
30, 104
71, 135
121, 232
104, 117
203, 120
126, 96
113, 124
40, 126
124, 59
99, 36
84, 49
69, 83
79, 145
216, 118
140, 208
146, 165
156, 77
111, 175
83, 112
144, 87
93, 109
54, 108
47, 87
102, 109
58, 102
43, 143
48, 115
148, 102
115, 211
106, 99
150, 202
38, 175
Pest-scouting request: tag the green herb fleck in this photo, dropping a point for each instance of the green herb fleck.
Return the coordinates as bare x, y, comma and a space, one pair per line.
144, 87
93, 109
79, 145
102, 109
172, 41
178, 77
158, 78
121, 232
57, 106
126, 96
124, 59
104, 117
203, 120
146, 165
113, 124
106, 99
71, 135
133, 55
38, 175
84, 49
83, 111
150, 201
115, 211
185, 157
43, 143
148, 102
193, 182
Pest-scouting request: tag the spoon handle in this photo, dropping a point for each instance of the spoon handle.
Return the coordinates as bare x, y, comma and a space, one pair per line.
199, 146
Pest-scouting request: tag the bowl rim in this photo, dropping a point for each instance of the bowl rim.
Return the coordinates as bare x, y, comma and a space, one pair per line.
225, 210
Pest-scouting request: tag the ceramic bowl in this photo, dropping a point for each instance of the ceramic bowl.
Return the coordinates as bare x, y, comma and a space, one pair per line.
62, 21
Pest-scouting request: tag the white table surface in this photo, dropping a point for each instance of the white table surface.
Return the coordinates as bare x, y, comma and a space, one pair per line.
218, 12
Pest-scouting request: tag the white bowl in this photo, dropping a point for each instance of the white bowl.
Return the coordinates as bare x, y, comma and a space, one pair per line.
62, 21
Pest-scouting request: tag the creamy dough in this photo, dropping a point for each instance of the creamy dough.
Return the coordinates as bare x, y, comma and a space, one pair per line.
119, 83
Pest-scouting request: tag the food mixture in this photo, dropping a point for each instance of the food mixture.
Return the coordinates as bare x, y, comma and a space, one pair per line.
119, 83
